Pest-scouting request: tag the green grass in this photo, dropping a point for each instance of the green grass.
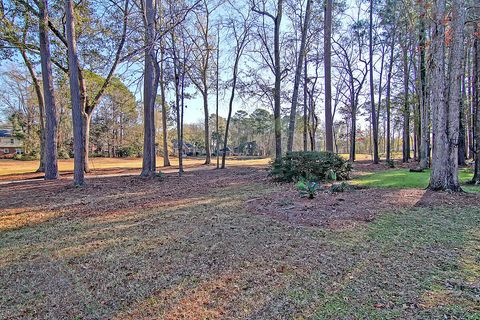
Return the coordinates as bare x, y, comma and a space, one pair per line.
404, 179
421, 264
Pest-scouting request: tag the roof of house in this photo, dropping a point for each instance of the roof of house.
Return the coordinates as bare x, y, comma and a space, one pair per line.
5, 133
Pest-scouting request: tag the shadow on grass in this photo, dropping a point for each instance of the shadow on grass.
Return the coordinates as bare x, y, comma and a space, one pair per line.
209, 257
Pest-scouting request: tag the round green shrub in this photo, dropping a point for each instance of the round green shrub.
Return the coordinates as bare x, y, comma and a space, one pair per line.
311, 165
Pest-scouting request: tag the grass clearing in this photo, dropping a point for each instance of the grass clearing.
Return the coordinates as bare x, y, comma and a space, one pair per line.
13, 167
404, 179
128, 248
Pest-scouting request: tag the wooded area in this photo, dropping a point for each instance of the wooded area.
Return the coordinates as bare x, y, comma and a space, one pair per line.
387, 72
262, 159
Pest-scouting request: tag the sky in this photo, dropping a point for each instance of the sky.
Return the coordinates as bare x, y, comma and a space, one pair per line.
194, 112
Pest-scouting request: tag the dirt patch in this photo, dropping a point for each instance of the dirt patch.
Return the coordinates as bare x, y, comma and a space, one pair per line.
346, 209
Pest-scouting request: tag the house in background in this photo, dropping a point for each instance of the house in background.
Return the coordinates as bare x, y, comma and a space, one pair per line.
248, 148
9, 144
189, 149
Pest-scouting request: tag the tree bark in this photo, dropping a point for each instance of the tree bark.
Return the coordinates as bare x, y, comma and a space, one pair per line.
372, 91
278, 78
406, 109
424, 153
353, 132
446, 96
166, 160
77, 119
388, 98
208, 158
148, 165
476, 103
51, 166
305, 104
327, 43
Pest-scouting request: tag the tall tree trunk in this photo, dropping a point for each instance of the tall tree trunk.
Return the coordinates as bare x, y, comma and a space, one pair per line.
424, 153
51, 166
230, 108
388, 98
353, 132
166, 160
462, 148
471, 102
77, 120
217, 89
148, 166
305, 104
446, 97
406, 109
476, 102
327, 43
372, 90
208, 158
278, 78
182, 107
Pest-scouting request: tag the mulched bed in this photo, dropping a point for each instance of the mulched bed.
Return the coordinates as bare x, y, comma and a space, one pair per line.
349, 208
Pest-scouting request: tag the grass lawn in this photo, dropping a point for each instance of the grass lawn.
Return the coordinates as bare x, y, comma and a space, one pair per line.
403, 178
10, 167
189, 248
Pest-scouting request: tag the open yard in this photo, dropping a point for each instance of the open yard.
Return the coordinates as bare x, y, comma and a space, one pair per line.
14, 169
232, 244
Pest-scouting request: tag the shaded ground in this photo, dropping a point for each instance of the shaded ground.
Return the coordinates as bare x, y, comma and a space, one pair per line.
193, 248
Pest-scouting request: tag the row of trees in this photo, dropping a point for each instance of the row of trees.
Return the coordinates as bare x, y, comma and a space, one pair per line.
412, 63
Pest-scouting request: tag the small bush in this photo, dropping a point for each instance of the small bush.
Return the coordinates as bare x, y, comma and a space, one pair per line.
160, 175
314, 166
26, 157
340, 187
128, 152
307, 188
391, 163
63, 154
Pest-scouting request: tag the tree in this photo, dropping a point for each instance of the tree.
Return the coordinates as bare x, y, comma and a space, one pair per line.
445, 94
149, 155
388, 97
372, 87
349, 50
200, 69
166, 160
51, 166
274, 63
476, 99
17, 35
424, 153
78, 139
328, 75
298, 73
241, 33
